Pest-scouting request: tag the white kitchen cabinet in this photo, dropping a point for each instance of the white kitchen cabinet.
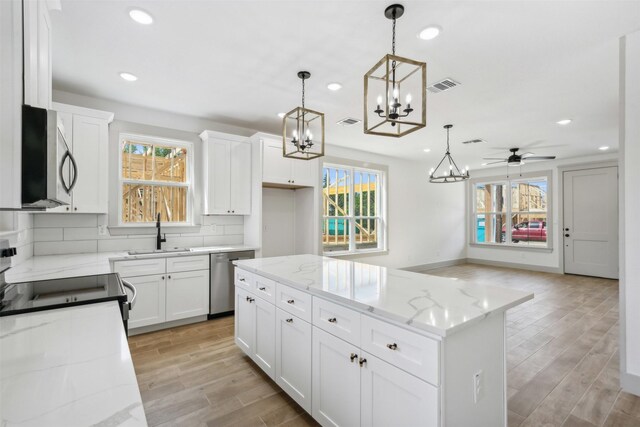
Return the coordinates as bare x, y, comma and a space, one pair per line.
277, 169
149, 308
87, 134
293, 357
37, 53
187, 294
265, 340
335, 381
244, 318
392, 397
227, 174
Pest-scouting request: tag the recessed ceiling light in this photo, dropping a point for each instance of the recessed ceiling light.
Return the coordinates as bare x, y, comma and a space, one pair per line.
563, 122
429, 33
427, 150
140, 16
129, 77
281, 115
334, 86
603, 148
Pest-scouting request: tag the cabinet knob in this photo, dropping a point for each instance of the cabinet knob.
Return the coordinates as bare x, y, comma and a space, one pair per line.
393, 346
162, 277
290, 320
67, 207
263, 288
169, 277
233, 211
333, 320
566, 235
353, 357
362, 361
292, 181
75, 209
290, 301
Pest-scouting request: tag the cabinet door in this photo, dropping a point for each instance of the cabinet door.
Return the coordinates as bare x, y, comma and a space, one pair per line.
305, 173
276, 169
335, 381
37, 54
293, 357
90, 149
187, 294
245, 323
240, 178
149, 308
390, 396
265, 342
65, 124
219, 178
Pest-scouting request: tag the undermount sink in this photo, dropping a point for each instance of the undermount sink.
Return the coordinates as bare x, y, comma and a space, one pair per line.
157, 251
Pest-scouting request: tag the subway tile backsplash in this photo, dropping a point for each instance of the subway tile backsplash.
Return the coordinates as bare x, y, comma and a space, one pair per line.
79, 233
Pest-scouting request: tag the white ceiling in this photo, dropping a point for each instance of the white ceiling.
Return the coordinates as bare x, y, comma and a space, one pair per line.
523, 65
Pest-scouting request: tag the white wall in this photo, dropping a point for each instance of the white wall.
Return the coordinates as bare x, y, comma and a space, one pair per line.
543, 259
278, 219
630, 206
426, 222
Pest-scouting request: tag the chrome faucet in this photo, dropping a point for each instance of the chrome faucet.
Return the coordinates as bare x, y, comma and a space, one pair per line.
159, 240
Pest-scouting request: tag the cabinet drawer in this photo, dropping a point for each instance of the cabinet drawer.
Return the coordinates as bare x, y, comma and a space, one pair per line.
244, 279
265, 288
294, 301
337, 320
187, 263
404, 349
139, 267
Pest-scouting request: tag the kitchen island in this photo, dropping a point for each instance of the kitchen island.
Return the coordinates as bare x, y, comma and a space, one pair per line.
357, 344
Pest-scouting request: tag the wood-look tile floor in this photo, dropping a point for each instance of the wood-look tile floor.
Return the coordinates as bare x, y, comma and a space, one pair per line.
562, 362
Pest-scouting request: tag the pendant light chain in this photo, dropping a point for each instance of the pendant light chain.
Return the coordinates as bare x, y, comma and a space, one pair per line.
303, 92
448, 151
393, 37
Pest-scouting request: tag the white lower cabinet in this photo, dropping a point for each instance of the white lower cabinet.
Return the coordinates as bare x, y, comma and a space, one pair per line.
391, 397
293, 357
150, 300
245, 320
187, 294
336, 381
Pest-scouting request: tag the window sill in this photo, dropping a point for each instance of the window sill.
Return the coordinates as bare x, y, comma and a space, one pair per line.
375, 252
511, 247
150, 229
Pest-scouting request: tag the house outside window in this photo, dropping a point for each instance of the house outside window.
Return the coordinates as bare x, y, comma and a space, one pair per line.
353, 201
511, 212
156, 177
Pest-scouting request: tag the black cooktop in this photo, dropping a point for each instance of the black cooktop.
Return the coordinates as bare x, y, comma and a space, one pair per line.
39, 295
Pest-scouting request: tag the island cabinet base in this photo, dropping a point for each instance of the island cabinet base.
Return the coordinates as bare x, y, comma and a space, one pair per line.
348, 367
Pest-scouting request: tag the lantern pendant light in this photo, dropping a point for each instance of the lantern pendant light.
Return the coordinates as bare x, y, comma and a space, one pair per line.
447, 170
303, 130
392, 81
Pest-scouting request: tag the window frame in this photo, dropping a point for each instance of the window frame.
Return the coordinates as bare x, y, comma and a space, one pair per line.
380, 203
508, 181
189, 184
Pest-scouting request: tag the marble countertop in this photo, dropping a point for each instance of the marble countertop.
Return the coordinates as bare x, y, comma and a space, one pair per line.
60, 266
434, 304
69, 366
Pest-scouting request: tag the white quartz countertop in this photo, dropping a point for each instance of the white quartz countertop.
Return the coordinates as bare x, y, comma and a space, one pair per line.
434, 304
60, 266
68, 367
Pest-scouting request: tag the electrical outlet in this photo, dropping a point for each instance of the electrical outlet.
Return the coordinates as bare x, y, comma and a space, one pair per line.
102, 230
478, 386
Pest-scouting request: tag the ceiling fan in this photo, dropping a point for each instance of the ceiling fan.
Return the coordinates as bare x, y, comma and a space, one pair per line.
516, 159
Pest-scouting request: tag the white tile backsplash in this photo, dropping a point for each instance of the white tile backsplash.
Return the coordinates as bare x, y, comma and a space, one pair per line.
78, 233
17, 228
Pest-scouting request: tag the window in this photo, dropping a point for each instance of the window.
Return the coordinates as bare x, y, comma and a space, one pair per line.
352, 200
155, 177
511, 212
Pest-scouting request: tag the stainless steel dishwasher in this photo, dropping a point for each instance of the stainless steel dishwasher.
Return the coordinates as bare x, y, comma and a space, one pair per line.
221, 277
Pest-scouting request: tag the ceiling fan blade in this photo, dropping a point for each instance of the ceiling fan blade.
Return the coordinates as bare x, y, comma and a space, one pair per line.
540, 158
493, 163
528, 153
494, 158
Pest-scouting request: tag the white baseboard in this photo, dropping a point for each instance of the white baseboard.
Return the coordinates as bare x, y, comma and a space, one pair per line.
515, 265
630, 383
434, 265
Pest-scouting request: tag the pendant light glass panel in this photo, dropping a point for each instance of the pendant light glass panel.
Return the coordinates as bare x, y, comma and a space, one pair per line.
303, 134
395, 102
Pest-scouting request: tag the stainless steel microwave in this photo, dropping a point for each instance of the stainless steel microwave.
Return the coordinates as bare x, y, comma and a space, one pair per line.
49, 171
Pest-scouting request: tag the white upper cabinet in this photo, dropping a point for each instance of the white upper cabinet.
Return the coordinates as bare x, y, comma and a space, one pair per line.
87, 134
277, 169
37, 53
226, 171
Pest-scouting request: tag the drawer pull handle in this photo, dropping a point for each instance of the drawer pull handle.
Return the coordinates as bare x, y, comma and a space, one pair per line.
262, 288
290, 301
290, 320
333, 320
241, 279
353, 357
363, 361
250, 299
393, 346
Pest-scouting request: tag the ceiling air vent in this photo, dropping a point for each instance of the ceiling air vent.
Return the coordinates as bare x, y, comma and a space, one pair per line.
348, 121
474, 141
443, 85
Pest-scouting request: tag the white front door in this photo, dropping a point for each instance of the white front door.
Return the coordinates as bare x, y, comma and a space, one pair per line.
590, 225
